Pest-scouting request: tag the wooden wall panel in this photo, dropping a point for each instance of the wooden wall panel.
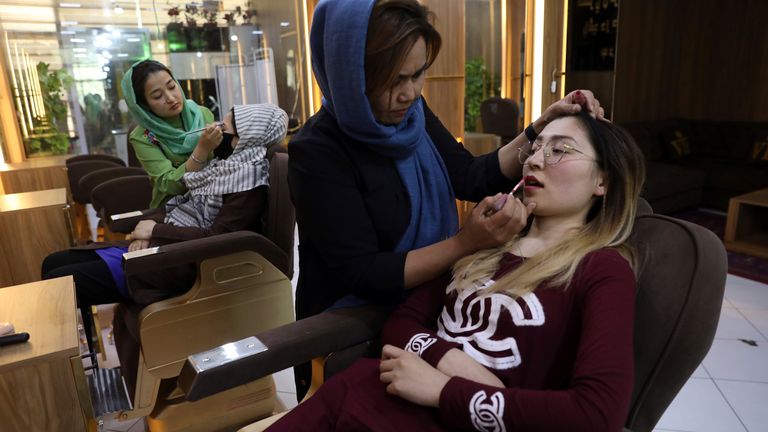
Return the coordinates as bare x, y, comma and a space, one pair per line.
700, 59
553, 50
445, 98
513, 80
444, 87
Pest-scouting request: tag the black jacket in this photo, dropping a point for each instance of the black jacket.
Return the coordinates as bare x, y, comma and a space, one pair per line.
352, 209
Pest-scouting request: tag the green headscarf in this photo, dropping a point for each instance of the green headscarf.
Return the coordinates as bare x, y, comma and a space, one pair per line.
191, 116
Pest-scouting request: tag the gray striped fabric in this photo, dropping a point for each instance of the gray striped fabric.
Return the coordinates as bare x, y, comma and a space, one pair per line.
259, 126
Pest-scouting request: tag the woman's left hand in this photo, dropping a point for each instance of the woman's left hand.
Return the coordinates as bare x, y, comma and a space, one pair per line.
410, 377
572, 103
138, 245
143, 230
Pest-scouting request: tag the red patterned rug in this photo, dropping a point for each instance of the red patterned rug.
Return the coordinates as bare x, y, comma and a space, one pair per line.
738, 264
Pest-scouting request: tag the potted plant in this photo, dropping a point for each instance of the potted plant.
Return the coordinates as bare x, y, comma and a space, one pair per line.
177, 40
477, 87
212, 34
191, 14
50, 133
249, 15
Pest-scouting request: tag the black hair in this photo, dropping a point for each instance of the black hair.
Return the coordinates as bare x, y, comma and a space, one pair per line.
140, 75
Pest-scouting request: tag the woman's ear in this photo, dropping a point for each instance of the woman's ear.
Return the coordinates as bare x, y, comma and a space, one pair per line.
599, 185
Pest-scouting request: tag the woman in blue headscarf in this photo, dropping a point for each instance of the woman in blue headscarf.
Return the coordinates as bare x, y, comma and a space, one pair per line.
374, 174
165, 115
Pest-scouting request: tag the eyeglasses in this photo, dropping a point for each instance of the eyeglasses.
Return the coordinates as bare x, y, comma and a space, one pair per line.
554, 151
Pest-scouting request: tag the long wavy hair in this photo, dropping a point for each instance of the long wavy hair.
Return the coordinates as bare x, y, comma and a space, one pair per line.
609, 222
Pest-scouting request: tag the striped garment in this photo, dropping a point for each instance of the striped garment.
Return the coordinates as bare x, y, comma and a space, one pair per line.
258, 126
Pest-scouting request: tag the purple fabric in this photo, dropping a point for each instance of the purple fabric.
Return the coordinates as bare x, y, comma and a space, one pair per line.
113, 257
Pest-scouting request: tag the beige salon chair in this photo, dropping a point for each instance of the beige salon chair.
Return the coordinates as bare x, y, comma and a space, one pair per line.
679, 295
242, 288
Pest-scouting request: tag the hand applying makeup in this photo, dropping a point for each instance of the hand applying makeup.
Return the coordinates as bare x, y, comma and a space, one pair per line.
486, 227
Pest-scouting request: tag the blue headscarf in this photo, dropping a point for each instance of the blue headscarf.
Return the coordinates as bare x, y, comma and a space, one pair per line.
337, 39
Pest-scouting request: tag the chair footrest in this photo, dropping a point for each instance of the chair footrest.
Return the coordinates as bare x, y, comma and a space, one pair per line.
108, 392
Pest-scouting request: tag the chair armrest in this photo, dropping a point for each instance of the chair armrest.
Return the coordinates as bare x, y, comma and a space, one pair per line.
162, 257
126, 222
213, 371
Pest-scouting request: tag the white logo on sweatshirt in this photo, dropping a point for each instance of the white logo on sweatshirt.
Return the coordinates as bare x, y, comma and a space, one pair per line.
420, 342
487, 414
476, 334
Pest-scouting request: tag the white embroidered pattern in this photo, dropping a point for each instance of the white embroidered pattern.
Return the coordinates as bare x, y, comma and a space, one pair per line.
487, 414
420, 342
476, 335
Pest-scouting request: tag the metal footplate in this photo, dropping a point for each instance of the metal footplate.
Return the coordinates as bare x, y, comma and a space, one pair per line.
108, 392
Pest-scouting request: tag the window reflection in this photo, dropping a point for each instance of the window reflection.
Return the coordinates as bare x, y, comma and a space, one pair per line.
222, 52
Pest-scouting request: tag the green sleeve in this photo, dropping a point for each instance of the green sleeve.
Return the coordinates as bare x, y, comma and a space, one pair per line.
207, 115
166, 174
166, 178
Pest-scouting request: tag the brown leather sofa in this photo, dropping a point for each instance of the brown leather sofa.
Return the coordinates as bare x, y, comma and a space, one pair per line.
680, 287
701, 163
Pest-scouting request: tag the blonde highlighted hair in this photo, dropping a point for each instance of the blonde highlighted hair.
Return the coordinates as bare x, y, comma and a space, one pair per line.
608, 225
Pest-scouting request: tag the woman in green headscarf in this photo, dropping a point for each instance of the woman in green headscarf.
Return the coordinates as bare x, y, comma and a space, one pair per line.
164, 114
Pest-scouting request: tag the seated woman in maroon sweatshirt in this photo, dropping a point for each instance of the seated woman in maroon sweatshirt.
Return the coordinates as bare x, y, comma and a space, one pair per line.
532, 336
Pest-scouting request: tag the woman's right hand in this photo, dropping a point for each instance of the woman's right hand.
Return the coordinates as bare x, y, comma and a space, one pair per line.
211, 137
486, 228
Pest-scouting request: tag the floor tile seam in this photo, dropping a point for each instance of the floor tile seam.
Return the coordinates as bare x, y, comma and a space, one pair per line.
739, 380
731, 406
765, 336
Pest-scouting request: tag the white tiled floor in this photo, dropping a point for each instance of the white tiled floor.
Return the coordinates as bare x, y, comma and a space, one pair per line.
729, 391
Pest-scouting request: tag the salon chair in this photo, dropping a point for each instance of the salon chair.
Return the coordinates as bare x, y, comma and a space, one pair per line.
76, 170
499, 116
119, 198
680, 286
242, 287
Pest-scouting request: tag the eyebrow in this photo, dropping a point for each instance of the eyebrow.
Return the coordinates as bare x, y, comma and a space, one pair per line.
555, 137
417, 73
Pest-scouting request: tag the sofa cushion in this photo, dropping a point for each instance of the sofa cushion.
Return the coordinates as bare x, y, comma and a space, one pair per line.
760, 152
677, 142
722, 139
647, 138
664, 180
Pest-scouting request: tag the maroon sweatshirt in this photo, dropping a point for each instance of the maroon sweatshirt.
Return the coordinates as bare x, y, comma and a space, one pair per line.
564, 355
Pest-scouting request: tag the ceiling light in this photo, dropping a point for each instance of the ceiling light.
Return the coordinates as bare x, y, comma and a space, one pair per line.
69, 5
122, 55
69, 23
285, 24
118, 10
233, 38
77, 40
133, 39
79, 50
81, 55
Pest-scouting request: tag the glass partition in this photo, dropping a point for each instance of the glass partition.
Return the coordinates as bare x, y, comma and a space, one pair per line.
65, 62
